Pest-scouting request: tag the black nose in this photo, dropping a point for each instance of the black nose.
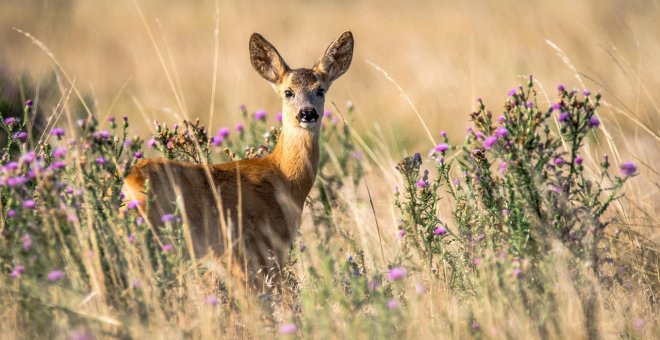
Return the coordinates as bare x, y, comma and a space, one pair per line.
307, 115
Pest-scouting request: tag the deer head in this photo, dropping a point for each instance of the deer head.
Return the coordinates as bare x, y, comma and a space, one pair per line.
302, 90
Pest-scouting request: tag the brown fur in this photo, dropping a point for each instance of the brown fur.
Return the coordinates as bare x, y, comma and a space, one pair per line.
251, 207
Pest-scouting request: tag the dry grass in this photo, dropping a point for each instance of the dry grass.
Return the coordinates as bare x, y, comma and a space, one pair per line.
442, 55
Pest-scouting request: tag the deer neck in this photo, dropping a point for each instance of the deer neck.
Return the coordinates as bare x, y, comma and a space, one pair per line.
297, 157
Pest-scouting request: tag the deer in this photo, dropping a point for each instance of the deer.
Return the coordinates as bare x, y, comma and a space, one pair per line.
250, 209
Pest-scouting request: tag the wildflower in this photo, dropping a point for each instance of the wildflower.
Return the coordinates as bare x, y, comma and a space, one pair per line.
517, 272
563, 117
211, 300
59, 152
420, 289
479, 135
475, 325
556, 106
56, 275
217, 140
103, 134
278, 117
288, 328
586, 93
443, 133
242, 107
327, 113
476, 261
578, 160
561, 88
559, 161
29, 204
488, 143
512, 92
133, 204
131, 238
397, 273
594, 122
151, 143
18, 270
11, 213
441, 147
457, 182
628, 169
417, 157
422, 184
167, 218
101, 161
439, 231
260, 115
530, 105
239, 128
27, 242
11, 166
501, 132
124, 118
21, 135
502, 166
373, 284
639, 323
138, 155
139, 220
11, 120
223, 132
167, 247
136, 283
501, 119
349, 105
505, 212
29, 103
400, 234
392, 304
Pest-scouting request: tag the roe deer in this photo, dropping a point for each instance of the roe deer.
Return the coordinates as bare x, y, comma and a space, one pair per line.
251, 208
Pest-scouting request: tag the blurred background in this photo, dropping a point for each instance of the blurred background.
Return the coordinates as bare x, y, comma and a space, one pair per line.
156, 58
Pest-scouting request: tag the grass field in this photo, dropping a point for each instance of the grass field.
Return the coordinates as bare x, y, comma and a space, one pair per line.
566, 261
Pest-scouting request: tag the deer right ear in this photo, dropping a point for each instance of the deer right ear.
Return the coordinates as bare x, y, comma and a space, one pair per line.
266, 60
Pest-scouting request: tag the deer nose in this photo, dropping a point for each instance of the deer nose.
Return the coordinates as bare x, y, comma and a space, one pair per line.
307, 115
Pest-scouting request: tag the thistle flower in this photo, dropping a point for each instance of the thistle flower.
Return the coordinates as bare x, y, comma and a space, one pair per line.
503, 166
11, 120
134, 204
563, 117
29, 103
400, 234
441, 147
217, 140
501, 119
561, 88
488, 143
505, 212
556, 107
392, 304
373, 284
223, 132
151, 143
628, 169
356, 155
239, 128
517, 272
101, 161
211, 300
443, 133
59, 152
439, 231
594, 122
18, 270
422, 184
131, 238
559, 161
167, 218
397, 273
55, 275
420, 289
586, 93
29, 204
501, 132
529, 105
288, 328
21, 135
260, 115
138, 154
11, 213
511, 92
327, 113
167, 247
578, 160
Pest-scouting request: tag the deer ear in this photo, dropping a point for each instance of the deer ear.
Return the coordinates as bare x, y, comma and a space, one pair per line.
266, 60
337, 58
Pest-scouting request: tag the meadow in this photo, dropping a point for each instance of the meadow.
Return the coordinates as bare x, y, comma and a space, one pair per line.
487, 169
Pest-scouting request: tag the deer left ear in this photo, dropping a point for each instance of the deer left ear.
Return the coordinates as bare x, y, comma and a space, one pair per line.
337, 58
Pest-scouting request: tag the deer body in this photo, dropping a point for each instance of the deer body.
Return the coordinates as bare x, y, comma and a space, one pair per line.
259, 201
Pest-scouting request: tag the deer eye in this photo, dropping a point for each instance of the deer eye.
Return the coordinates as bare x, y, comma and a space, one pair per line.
320, 92
288, 94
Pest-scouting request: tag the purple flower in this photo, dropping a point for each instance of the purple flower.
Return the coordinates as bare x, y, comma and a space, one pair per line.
556, 106
476, 261
594, 122
488, 143
422, 184
138, 154
59, 152
373, 284
20, 135
400, 234
505, 212
512, 92
563, 117
561, 88
586, 93
397, 273
327, 113
517, 273
392, 304
475, 325
639, 323
529, 105
443, 134
503, 166
100, 161
501, 119
278, 117
420, 289
217, 140
151, 143
441, 147
260, 115
18, 270
628, 169
239, 128
501, 132
57, 165
11, 213
56, 275
167, 247
439, 231
29, 157
11, 166
57, 132
578, 160
167, 218
29, 204
131, 238
11, 120
124, 118
29, 103
111, 119
211, 300
288, 328
559, 161
133, 204
457, 182
223, 132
